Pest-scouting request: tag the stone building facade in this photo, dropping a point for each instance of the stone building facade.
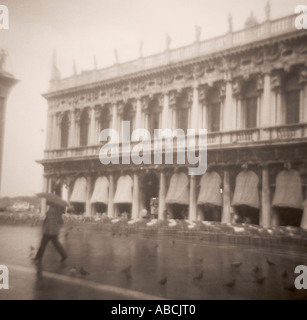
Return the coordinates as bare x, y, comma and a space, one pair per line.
248, 88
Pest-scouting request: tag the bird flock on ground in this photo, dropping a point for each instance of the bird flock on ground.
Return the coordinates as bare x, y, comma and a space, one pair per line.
256, 272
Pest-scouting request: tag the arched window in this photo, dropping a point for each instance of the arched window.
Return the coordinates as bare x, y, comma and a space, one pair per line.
182, 112
291, 101
153, 116
64, 130
250, 104
84, 128
105, 118
213, 110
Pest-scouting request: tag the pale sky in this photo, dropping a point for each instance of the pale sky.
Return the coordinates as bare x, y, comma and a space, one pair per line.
80, 29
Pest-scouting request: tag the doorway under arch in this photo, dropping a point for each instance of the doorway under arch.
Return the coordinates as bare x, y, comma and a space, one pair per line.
151, 192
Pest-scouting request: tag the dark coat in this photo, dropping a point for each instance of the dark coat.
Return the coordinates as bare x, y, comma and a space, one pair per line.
52, 221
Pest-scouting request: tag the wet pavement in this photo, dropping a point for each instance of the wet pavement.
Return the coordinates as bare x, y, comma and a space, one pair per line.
192, 271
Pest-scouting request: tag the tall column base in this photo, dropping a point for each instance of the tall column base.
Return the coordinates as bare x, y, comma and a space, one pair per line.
226, 217
135, 196
111, 213
88, 205
192, 200
162, 195
265, 220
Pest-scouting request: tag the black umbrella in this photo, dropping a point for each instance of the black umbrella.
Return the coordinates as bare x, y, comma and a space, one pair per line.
53, 198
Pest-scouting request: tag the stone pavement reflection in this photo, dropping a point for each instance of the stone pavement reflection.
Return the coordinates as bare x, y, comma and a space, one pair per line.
148, 261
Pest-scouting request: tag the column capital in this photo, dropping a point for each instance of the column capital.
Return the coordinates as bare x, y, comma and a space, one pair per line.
195, 85
172, 98
260, 83
59, 117
237, 88
266, 69
77, 113
144, 103
276, 81
97, 110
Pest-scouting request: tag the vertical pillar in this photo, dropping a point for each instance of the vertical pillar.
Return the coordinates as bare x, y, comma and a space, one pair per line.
265, 199
195, 109
228, 112
226, 197
71, 142
50, 140
138, 114
192, 200
48, 135
57, 131
162, 196
204, 116
165, 113
173, 119
93, 140
54, 132
280, 115
114, 124
88, 196
77, 131
239, 111
304, 103
111, 197
266, 104
135, 197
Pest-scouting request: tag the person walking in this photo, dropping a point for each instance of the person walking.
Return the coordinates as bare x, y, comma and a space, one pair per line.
51, 227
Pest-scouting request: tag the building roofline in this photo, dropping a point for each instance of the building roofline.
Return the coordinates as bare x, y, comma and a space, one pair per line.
158, 69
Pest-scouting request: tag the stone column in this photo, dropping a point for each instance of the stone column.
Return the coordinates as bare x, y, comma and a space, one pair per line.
77, 128
71, 140
280, 115
266, 103
135, 197
49, 126
114, 124
58, 131
93, 140
228, 109
226, 218
88, 196
265, 199
304, 103
138, 115
162, 196
192, 200
165, 113
240, 114
111, 197
173, 119
54, 132
195, 109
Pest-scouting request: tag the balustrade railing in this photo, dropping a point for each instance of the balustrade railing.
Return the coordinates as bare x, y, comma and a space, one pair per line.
284, 133
266, 29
